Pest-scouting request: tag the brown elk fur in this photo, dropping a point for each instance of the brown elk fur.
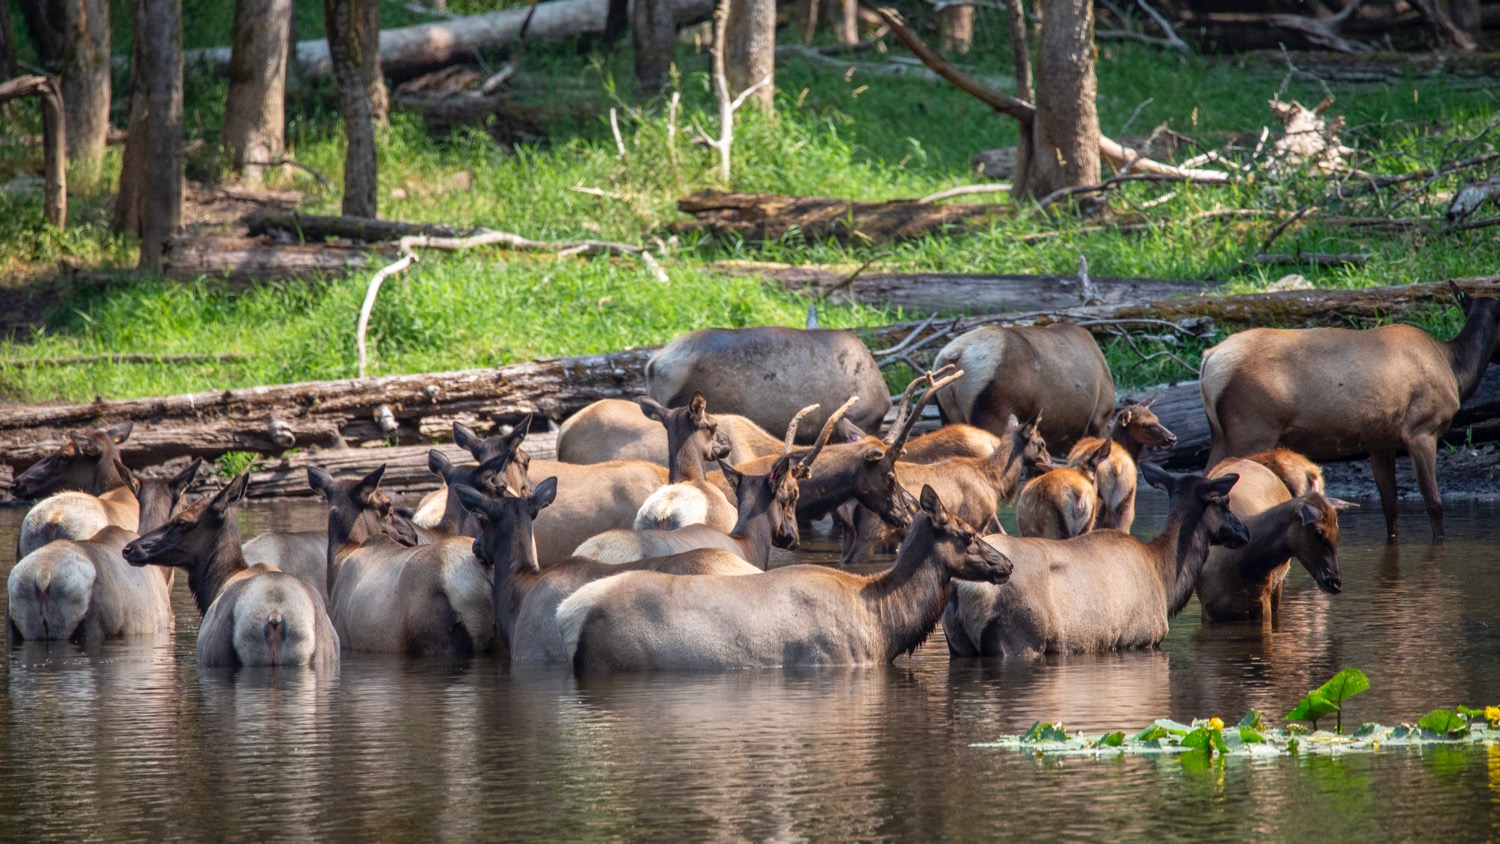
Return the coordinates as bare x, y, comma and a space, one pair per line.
1134, 428
1063, 502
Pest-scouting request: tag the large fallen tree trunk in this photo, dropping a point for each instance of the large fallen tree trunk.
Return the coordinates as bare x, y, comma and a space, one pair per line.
256, 258
759, 216
412, 50
314, 228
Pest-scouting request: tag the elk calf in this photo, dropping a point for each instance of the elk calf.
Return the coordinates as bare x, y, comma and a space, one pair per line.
1134, 428
1062, 503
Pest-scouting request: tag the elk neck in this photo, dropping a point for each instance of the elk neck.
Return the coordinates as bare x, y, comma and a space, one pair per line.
1469, 353
909, 597
225, 560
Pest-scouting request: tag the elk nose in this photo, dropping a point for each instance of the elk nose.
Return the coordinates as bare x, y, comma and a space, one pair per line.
1335, 585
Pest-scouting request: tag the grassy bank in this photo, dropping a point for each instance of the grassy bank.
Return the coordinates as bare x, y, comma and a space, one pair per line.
861, 137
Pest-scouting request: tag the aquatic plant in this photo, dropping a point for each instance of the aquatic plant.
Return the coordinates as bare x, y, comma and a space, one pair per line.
1329, 698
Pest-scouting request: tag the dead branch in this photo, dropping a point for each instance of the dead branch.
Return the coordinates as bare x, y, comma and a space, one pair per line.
966, 190
1171, 35
54, 141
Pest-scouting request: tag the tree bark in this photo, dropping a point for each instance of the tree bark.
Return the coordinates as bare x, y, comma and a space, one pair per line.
760, 217
7, 45
1465, 15
844, 16
72, 38
149, 203
353, 27
1065, 131
54, 141
1020, 49
751, 50
255, 113
653, 26
956, 22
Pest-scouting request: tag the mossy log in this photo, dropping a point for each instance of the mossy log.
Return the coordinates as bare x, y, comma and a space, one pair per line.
761, 216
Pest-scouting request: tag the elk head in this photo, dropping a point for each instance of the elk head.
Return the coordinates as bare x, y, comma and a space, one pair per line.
89, 462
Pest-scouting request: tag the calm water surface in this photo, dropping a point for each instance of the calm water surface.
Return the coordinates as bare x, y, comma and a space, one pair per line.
133, 741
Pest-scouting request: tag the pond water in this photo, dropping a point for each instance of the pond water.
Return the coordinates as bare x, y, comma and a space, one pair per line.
133, 741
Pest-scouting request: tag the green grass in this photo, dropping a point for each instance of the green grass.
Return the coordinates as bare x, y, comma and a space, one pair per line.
863, 138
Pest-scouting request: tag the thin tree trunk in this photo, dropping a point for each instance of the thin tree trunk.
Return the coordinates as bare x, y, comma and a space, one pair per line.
751, 52
957, 25
351, 42
844, 15
255, 113
54, 140
7, 45
150, 198
72, 38
1021, 54
654, 29
1065, 133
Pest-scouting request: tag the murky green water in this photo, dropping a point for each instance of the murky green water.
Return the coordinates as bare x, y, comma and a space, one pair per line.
133, 741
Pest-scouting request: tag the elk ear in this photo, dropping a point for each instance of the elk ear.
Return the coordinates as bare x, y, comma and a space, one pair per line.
933, 506
319, 479
544, 495
651, 408
874, 455
230, 495
85, 445
1100, 454
779, 469
1011, 423
369, 483
471, 499
1339, 505
1308, 513
733, 475
697, 406
465, 438
182, 479
1222, 484
438, 463
518, 434
120, 431
1464, 300
992, 526
1125, 416
1029, 429
1158, 477
848, 432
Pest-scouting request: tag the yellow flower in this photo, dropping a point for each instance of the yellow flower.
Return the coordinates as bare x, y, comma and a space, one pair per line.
1218, 724
1492, 714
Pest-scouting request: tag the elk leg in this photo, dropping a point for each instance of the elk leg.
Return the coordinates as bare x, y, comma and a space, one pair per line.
1424, 464
1383, 464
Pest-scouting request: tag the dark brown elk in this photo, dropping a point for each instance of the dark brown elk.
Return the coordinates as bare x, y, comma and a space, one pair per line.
1244, 584
1100, 591
252, 615
82, 590
1063, 502
795, 615
1134, 428
767, 514
502, 451
86, 487
389, 596
1056, 372
688, 498
1337, 392
614, 429
1296, 472
525, 591
769, 373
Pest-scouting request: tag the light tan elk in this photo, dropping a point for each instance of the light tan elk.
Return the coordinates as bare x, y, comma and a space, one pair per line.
1056, 372
502, 452
688, 498
1337, 392
83, 590
1134, 429
767, 374
87, 489
252, 615
795, 615
389, 595
1244, 584
525, 592
1099, 591
614, 429
1063, 502
767, 514
1296, 472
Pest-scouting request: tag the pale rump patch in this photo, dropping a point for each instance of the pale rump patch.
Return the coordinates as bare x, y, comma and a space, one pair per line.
574, 611
613, 547
672, 507
50, 591
978, 354
430, 510
274, 620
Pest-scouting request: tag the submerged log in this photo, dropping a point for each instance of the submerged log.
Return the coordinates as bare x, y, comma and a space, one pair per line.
760, 216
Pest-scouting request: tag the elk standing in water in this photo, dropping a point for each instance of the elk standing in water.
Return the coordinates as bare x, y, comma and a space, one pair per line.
688, 498
502, 453
1337, 392
83, 591
1099, 591
614, 429
1296, 472
88, 489
1244, 584
252, 615
1063, 502
795, 615
1134, 429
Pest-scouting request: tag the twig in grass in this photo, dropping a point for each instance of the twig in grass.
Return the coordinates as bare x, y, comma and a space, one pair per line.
284, 160
1145, 358
379, 278
1461, 144
654, 268
727, 107
965, 190
614, 126
1284, 225
603, 194
672, 106
852, 276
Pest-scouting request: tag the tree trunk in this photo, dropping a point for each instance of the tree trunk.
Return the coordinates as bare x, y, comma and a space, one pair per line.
844, 16
1065, 132
1021, 58
957, 25
150, 198
751, 51
1465, 15
653, 26
72, 38
255, 113
7, 45
54, 140
353, 27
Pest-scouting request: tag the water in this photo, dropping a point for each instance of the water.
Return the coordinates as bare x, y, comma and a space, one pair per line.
133, 741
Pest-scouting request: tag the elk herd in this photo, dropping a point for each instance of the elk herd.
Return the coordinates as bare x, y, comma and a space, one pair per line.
648, 545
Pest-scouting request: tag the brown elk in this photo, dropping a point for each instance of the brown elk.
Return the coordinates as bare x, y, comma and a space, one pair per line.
1337, 392
769, 373
1054, 371
86, 487
1134, 428
1296, 472
252, 615
389, 595
525, 590
795, 615
1063, 502
767, 514
1099, 591
501, 452
82, 590
1244, 584
688, 498
614, 429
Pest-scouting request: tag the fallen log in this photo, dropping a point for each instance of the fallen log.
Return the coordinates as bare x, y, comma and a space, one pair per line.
759, 216
313, 228
256, 258
956, 292
413, 50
